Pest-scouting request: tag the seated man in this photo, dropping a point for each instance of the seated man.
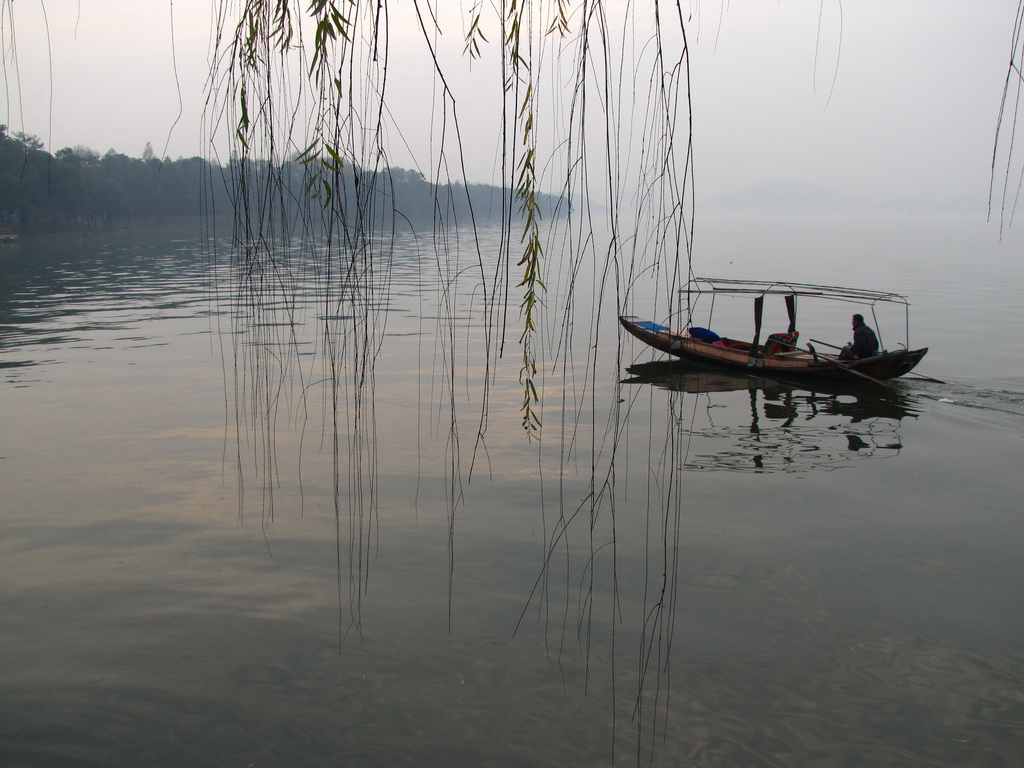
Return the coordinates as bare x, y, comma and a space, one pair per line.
865, 343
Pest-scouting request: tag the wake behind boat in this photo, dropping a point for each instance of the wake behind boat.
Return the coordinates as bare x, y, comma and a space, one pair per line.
780, 354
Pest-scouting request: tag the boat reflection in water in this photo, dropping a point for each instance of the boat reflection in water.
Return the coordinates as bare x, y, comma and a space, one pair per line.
740, 422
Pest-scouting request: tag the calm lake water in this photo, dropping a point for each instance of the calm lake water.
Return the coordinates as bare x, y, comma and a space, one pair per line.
227, 539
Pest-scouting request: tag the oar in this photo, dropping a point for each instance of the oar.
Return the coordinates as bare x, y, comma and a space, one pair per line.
825, 344
855, 372
926, 378
908, 373
847, 368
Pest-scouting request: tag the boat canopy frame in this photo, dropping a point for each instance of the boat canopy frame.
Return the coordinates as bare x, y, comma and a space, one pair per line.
702, 286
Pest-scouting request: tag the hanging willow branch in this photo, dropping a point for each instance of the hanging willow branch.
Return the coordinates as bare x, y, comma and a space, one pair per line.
1005, 192
526, 195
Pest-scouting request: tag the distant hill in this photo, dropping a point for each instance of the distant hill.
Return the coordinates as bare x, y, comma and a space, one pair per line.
788, 198
77, 188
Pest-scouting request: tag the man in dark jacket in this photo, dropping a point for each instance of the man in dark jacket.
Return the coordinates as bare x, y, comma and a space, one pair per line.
865, 343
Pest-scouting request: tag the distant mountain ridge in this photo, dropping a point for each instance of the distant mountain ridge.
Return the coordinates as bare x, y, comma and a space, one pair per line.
783, 197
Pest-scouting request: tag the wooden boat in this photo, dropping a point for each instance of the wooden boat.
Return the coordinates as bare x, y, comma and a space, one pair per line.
779, 356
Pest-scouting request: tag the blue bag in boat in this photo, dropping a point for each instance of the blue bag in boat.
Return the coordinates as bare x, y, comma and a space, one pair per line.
703, 334
651, 326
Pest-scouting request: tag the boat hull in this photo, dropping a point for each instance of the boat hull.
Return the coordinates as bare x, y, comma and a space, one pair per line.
797, 364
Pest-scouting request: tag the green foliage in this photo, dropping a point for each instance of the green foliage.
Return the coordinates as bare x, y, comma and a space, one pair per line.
313, 76
331, 24
527, 197
474, 35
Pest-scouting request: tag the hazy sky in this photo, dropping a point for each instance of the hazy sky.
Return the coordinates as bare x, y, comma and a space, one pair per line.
892, 98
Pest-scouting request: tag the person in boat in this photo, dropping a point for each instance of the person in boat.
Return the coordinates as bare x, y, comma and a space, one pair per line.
865, 343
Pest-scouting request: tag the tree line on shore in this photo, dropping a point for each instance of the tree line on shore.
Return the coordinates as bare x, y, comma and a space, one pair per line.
77, 188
